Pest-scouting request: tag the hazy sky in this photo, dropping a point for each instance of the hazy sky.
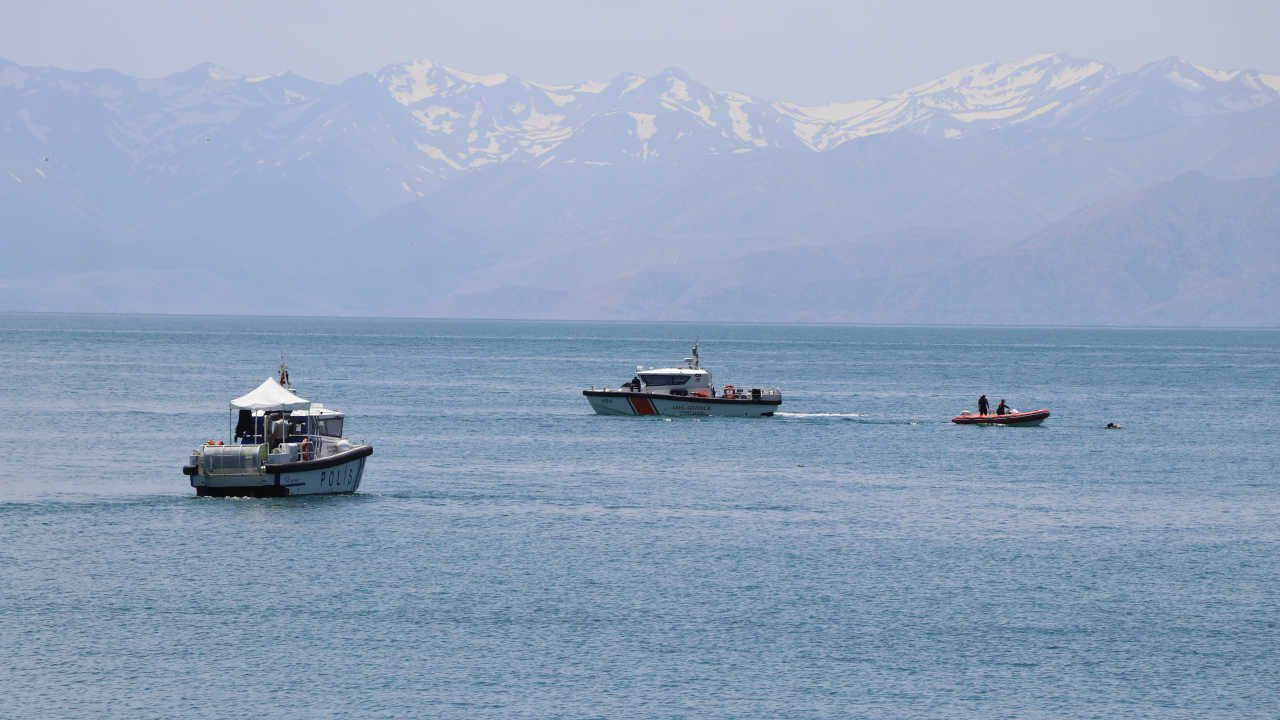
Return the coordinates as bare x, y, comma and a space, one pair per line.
799, 51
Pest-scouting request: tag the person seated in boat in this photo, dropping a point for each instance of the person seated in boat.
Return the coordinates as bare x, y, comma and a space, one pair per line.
279, 431
1002, 409
635, 384
982, 405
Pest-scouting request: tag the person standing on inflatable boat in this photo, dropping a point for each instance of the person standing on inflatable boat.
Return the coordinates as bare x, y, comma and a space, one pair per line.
982, 405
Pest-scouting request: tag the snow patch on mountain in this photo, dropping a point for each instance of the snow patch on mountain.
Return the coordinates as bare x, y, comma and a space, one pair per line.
561, 99
646, 125
1183, 81
436, 153
413, 82
677, 92
1072, 76
1218, 75
634, 82
489, 80
216, 72
1047, 107
976, 115
593, 87
438, 118
740, 118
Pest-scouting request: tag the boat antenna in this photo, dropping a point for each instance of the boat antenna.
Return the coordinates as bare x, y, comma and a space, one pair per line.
696, 360
284, 372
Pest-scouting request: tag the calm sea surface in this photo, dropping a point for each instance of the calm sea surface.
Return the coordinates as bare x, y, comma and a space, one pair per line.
512, 555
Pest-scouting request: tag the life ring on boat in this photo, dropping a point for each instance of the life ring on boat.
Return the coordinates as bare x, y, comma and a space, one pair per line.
730, 391
304, 449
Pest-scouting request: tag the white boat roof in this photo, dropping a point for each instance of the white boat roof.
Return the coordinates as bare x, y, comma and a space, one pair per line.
318, 410
270, 395
673, 371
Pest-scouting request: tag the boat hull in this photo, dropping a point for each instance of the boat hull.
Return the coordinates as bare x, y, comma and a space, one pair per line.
621, 402
332, 475
1031, 417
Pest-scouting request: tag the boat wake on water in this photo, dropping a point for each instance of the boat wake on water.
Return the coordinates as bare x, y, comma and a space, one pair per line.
803, 415
850, 417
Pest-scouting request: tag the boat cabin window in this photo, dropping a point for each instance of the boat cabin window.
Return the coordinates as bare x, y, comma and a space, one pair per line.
329, 427
656, 379
299, 426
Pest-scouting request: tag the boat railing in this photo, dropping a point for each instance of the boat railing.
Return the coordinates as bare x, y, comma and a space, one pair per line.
737, 393
750, 394
302, 448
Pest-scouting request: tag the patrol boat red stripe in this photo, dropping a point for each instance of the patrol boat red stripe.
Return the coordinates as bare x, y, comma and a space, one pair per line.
642, 406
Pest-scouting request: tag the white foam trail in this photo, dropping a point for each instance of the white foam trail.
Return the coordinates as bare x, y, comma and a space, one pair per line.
816, 415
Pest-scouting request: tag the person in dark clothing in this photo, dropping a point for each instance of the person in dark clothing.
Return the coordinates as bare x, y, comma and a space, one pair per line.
244, 427
1002, 409
982, 405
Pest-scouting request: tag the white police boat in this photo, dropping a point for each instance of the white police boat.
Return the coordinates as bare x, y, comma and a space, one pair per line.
281, 445
682, 391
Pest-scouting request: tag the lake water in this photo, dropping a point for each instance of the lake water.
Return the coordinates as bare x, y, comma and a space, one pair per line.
510, 554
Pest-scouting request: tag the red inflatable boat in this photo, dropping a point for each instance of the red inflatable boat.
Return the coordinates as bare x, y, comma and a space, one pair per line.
1031, 417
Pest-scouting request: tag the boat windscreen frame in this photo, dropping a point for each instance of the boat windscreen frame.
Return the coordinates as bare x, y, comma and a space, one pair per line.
684, 378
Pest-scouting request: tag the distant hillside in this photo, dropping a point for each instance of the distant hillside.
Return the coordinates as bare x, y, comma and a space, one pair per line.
1190, 248
1193, 249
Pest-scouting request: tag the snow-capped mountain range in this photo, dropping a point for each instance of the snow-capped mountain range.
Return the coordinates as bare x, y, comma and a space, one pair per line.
423, 189
452, 121
470, 120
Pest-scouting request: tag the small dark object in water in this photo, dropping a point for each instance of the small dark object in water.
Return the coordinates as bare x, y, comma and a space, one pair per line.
1114, 426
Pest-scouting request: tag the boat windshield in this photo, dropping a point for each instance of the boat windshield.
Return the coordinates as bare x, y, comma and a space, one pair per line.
299, 426
329, 427
660, 379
